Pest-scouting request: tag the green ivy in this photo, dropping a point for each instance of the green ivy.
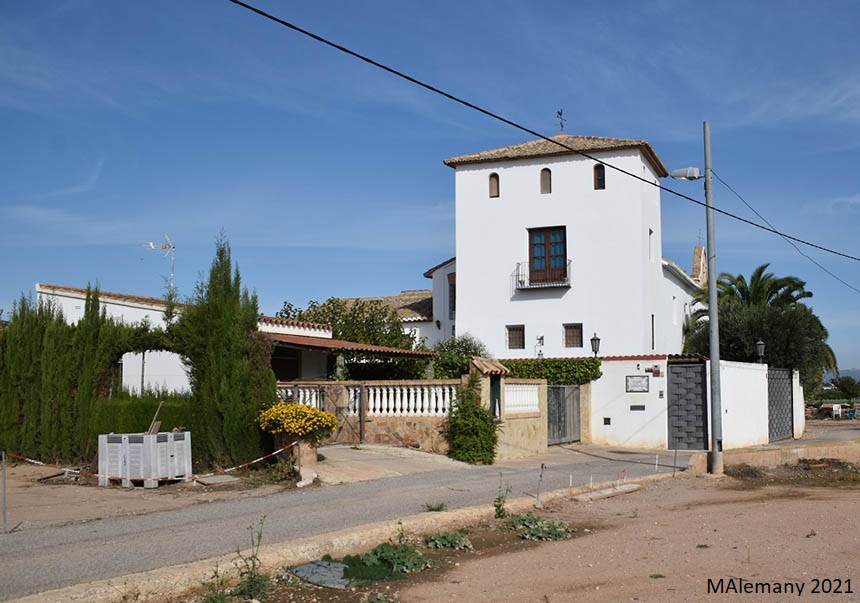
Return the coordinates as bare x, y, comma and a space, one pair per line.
556, 371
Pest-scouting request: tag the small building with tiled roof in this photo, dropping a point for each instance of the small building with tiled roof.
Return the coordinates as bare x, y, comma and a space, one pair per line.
301, 349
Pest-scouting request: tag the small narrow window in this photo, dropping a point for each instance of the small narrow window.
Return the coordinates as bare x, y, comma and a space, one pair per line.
573, 335
651, 244
545, 181
653, 332
599, 177
516, 337
494, 185
452, 295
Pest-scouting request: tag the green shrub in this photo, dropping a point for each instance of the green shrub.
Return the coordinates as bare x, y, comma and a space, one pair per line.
133, 414
452, 356
384, 562
471, 430
556, 371
532, 527
448, 540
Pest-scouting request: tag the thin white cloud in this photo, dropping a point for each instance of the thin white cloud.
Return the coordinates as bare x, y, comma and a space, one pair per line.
87, 185
837, 206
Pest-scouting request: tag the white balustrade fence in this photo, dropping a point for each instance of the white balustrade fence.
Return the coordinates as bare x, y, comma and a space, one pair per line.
521, 398
309, 395
418, 399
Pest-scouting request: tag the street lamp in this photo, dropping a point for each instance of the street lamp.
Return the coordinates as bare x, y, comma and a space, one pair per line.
759, 349
693, 173
595, 344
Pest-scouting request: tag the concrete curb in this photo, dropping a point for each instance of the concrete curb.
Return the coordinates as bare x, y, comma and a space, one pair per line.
780, 455
155, 584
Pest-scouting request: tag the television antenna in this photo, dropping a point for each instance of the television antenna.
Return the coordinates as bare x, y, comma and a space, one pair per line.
169, 250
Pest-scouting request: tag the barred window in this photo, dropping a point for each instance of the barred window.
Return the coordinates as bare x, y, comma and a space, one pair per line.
573, 335
516, 337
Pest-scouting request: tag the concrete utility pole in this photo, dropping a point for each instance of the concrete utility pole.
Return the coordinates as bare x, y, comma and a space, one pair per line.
715, 465
715, 460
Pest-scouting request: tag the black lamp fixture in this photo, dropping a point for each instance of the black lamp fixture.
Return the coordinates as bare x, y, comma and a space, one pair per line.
595, 344
759, 349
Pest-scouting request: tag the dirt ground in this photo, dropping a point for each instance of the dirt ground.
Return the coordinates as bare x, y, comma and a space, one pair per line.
58, 500
666, 542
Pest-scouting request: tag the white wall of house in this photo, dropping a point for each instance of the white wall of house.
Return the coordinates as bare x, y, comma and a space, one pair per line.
422, 330
628, 425
613, 239
444, 307
163, 370
675, 307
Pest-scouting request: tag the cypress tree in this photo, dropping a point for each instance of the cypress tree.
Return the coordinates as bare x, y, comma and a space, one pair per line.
58, 385
88, 337
214, 334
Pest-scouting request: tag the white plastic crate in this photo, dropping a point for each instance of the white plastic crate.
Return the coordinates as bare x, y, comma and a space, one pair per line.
144, 457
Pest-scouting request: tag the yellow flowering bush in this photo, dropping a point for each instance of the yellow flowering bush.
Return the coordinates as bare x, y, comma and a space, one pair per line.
306, 422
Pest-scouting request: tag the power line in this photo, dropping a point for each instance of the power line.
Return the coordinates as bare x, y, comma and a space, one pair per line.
521, 127
765, 220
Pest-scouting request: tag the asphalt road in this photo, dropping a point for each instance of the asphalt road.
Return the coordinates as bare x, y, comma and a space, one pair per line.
43, 559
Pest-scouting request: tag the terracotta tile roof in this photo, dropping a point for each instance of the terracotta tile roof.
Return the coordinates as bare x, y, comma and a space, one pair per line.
430, 271
323, 343
489, 366
104, 295
411, 306
545, 148
289, 322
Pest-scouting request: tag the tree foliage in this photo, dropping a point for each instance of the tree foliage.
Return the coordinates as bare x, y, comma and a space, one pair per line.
52, 375
848, 387
769, 309
363, 321
452, 356
217, 336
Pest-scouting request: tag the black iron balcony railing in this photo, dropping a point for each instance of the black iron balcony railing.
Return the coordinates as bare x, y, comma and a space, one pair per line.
525, 277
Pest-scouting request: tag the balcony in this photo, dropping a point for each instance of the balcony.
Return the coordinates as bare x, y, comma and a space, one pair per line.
525, 278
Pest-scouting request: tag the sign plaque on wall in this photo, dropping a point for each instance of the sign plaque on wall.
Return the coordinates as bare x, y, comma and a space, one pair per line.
637, 383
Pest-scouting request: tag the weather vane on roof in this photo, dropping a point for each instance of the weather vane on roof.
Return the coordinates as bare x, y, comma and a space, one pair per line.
561, 120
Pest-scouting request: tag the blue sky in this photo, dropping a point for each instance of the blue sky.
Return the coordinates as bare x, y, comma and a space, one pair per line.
124, 121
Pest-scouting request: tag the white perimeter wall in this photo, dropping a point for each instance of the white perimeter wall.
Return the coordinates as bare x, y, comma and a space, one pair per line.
799, 405
647, 428
616, 269
743, 389
743, 399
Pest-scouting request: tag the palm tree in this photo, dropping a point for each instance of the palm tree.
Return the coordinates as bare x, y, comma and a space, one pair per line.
763, 289
769, 308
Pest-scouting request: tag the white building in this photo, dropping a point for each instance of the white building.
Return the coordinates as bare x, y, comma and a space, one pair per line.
300, 350
553, 246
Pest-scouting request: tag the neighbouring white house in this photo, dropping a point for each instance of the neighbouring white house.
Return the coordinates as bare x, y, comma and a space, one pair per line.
415, 310
553, 247
301, 350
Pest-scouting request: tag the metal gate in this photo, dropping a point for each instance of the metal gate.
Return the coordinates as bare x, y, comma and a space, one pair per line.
687, 407
780, 404
562, 402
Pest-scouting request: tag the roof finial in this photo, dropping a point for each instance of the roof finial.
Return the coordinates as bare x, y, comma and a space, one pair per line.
560, 115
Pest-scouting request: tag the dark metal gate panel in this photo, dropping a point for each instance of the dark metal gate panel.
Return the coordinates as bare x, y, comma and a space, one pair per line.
687, 407
562, 414
780, 411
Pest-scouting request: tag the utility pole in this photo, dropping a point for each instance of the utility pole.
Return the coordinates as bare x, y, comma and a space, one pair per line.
716, 458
